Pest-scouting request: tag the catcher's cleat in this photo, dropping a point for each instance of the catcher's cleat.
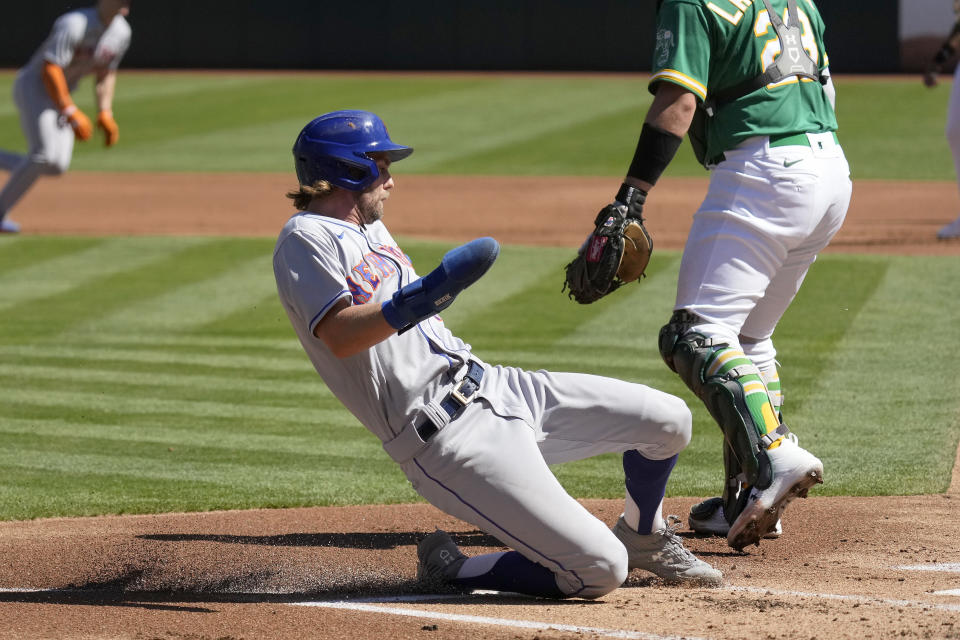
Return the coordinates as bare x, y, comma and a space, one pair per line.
438, 558
663, 554
795, 470
707, 519
9, 226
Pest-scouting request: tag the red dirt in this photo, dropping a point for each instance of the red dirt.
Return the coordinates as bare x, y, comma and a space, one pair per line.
235, 574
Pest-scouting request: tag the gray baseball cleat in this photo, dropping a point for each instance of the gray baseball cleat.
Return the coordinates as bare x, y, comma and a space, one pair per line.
795, 470
707, 518
951, 230
663, 554
438, 558
8, 226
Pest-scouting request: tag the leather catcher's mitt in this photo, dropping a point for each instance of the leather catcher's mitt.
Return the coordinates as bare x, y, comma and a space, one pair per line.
617, 252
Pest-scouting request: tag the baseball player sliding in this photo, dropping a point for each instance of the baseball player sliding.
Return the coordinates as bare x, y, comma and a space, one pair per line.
943, 55
84, 41
474, 439
749, 82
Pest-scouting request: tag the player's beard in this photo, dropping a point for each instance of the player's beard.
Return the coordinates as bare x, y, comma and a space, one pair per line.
370, 206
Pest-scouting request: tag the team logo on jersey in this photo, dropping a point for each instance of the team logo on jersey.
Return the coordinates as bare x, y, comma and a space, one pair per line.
367, 276
664, 47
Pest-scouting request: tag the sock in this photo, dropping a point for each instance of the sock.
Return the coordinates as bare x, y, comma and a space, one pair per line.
646, 482
510, 571
771, 377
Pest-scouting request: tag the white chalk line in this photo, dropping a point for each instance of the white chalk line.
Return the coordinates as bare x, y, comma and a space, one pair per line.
485, 620
848, 598
376, 605
946, 567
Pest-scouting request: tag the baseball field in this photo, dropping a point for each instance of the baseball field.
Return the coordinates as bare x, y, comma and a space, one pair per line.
171, 466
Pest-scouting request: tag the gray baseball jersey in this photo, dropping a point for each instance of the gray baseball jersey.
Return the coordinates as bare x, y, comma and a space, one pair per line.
319, 261
488, 465
80, 44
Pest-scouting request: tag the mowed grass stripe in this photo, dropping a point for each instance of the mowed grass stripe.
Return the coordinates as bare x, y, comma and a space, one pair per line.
337, 442
279, 472
64, 273
887, 394
204, 342
109, 287
287, 362
833, 296
198, 303
21, 251
517, 110
69, 494
117, 401
308, 390
274, 109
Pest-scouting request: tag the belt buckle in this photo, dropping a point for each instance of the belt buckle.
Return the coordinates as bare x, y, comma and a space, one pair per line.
461, 397
473, 377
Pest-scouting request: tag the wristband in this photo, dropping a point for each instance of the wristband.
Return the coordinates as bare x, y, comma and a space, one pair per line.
655, 150
69, 110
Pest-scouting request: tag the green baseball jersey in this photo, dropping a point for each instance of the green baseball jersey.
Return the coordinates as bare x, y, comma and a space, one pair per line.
708, 46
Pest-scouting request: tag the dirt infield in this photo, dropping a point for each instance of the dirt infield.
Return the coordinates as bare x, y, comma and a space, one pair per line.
845, 567
884, 216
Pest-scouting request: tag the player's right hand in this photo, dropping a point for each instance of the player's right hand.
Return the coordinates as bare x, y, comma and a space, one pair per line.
78, 120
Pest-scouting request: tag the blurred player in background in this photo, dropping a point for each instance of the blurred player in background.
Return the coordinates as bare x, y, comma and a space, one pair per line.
84, 41
945, 53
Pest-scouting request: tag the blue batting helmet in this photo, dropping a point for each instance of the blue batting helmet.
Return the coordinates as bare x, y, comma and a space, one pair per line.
335, 147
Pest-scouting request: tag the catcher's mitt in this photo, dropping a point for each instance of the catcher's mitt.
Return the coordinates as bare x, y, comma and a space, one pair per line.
617, 252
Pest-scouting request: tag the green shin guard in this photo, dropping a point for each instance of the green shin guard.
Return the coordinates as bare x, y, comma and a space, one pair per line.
720, 376
724, 400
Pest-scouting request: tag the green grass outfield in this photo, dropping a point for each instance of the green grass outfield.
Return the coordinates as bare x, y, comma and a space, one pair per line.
160, 374
468, 124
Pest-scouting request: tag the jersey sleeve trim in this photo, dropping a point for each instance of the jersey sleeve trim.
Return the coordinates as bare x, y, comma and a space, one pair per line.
685, 81
316, 319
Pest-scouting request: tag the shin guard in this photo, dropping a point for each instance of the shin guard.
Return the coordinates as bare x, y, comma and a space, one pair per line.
734, 393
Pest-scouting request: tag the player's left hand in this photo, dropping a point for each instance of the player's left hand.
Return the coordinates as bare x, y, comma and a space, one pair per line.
930, 78
111, 131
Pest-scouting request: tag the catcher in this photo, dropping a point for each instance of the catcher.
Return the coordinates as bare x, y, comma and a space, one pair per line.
752, 91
